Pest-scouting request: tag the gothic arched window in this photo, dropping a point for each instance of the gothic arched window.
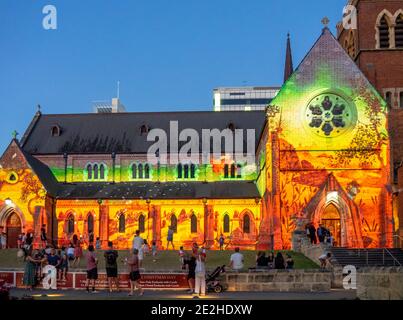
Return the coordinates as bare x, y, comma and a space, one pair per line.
226, 169
193, 223
399, 31
239, 171
140, 171
89, 172
192, 171
174, 223
70, 224
246, 224
134, 171
232, 171
388, 98
102, 172
90, 224
226, 223
142, 226
95, 172
383, 29
146, 171
122, 223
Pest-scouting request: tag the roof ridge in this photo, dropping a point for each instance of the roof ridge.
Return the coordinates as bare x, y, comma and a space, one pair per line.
148, 113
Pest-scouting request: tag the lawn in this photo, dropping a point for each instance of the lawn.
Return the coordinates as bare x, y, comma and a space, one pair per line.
165, 260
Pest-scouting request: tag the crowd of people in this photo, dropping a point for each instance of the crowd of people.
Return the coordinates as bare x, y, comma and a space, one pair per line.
321, 234
193, 261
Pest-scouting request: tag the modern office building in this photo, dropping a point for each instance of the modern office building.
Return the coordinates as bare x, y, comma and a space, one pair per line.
251, 98
243, 98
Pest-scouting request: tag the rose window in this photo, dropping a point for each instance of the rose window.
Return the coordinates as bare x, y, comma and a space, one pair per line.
329, 115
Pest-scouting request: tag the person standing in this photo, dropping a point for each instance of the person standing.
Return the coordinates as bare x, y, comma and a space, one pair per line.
29, 279
154, 250
44, 239
3, 240
200, 273
29, 240
138, 243
111, 265
78, 253
221, 241
190, 263
98, 244
170, 238
92, 269
312, 233
134, 275
321, 232
236, 260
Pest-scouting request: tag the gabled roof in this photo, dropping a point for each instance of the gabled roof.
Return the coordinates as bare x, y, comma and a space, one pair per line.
16, 158
121, 132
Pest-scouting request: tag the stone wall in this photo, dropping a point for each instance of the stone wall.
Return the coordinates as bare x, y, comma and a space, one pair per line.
280, 280
380, 283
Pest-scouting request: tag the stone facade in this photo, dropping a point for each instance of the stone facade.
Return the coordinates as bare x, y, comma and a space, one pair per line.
380, 283
280, 280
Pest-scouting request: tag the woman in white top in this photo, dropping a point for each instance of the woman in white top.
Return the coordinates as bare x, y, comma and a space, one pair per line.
200, 283
138, 243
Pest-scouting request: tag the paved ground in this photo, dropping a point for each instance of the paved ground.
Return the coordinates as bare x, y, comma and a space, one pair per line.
181, 295
165, 260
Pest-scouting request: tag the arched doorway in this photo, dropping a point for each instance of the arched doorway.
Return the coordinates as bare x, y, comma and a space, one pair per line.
13, 227
331, 220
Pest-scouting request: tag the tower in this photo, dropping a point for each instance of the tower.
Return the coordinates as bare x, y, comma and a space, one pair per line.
288, 67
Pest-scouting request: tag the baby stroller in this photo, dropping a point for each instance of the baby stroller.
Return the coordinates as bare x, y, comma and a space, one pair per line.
212, 283
4, 290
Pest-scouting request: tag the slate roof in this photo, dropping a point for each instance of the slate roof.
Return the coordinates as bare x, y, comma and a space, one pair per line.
121, 132
44, 174
163, 190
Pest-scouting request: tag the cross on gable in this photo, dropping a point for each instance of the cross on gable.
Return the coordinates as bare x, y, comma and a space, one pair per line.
325, 21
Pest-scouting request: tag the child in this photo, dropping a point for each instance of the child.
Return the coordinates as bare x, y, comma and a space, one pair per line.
154, 250
182, 257
98, 244
70, 252
19, 241
221, 242
63, 265
146, 247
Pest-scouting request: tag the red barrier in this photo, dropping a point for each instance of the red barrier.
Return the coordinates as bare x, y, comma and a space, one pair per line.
76, 280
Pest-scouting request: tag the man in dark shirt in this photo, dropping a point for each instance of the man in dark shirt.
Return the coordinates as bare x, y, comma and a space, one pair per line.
190, 263
44, 239
111, 265
53, 258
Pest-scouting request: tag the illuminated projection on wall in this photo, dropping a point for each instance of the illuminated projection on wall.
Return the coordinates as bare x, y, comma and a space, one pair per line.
322, 156
330, 152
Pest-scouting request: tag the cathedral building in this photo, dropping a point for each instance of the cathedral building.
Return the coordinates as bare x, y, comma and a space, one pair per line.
322, 156
376, 45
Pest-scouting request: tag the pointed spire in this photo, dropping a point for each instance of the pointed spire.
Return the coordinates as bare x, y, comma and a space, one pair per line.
289, 68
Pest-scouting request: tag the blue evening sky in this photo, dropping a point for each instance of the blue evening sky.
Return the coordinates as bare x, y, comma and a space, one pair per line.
167, 54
